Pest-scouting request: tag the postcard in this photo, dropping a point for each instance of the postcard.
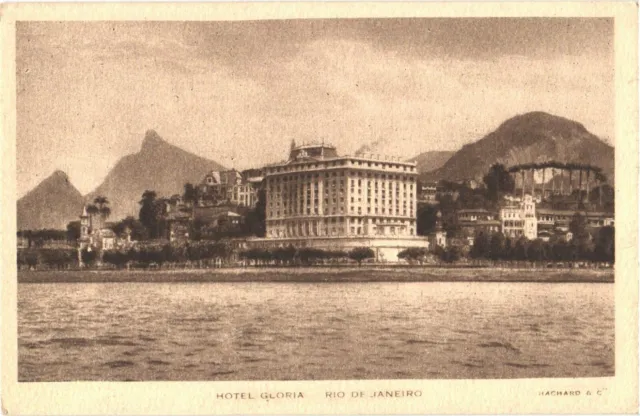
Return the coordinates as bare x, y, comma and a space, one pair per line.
319, 208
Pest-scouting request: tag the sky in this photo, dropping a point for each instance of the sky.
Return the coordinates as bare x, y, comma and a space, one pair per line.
240, 92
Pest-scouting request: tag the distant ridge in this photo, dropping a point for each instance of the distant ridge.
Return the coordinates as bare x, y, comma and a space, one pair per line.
528, 138
51, 204
158, 166
428, 161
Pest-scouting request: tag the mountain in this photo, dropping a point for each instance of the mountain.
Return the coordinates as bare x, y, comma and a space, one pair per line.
158, 166
429, 161
51, 204
528, 138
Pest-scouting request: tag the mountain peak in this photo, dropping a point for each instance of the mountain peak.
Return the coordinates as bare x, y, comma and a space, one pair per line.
60, 174
528, 138
51, 204
160, 166
539, 121
152, 139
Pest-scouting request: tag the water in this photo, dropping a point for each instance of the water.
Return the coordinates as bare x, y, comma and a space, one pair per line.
290, 331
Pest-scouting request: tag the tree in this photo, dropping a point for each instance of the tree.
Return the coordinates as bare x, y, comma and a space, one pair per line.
544, 167
451, 254
537, 251
481, 246
496, 246
92, 210
600, 179
88, 256
361, 253
284, 255
520, 249
427, 216
116, 257
27, 257
605, 248
560, 251
147, 214
578, 226
553, 165
308, 255
190, 193
73, 231
137, 230
255, 222
412, 254
102, 203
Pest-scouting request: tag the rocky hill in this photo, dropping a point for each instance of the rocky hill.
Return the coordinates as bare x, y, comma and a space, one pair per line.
429, 161
51, 204
158, 166
528, 138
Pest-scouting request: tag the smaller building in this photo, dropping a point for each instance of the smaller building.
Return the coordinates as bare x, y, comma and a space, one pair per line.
98, 235
230, 186
474, 221
427, 193
438, 237
562, 218
519, 219
178, 226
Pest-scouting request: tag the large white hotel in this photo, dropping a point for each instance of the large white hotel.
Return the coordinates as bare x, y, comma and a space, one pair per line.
318, 198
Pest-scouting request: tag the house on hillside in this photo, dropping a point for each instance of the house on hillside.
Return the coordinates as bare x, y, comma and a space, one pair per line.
474, 221
427, 193
519, 219
230, 186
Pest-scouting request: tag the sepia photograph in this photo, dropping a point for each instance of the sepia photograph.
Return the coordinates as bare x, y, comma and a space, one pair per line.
317, 199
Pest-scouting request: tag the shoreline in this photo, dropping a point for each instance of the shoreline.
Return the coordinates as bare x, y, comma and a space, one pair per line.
322, 275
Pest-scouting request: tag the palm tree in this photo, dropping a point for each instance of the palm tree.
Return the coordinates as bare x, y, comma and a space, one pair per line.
580, 168
553, 165
601, 178
523, 169
534, 168
513, 170
571, 168
102, 203
589, 169
544, 175
92, 210
562, 167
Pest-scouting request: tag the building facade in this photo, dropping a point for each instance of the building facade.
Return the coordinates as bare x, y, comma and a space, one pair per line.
322, 200
232, 186
519, 219
317, 193
427, 193
474, 221
96, 234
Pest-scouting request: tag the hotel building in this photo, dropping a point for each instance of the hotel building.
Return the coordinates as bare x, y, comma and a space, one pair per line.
321, 199
318, 193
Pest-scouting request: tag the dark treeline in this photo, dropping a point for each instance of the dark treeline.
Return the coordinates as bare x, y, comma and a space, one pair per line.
55, 258
190, 254
497, 247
